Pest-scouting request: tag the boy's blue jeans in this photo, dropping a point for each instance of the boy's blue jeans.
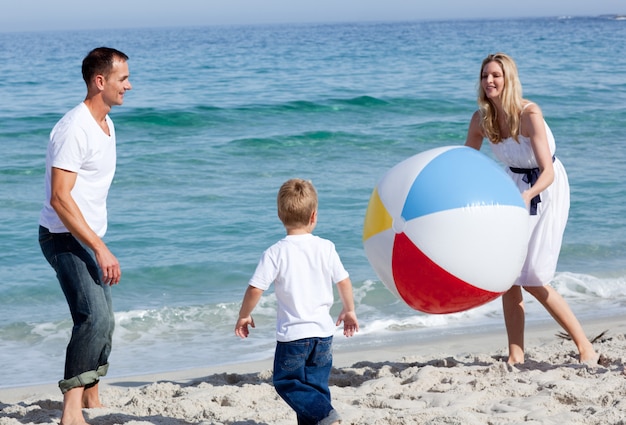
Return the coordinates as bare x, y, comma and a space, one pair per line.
89, 300
301, 372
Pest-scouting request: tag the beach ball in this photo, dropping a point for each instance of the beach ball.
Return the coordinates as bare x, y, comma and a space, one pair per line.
446, 230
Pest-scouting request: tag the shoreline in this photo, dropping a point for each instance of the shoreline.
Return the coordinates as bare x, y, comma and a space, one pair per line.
484, 341
442, 378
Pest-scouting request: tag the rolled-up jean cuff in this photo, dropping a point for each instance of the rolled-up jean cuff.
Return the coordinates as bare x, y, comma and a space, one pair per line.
84, 379
332, 417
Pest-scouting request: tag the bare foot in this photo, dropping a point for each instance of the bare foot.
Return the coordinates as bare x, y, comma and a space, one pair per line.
589, 357
514, 360
91, 404
73, 421
72, 412
91, 398
597, 360
516, 354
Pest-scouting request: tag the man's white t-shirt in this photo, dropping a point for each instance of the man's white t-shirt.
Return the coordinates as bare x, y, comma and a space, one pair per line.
78, 144
304, 269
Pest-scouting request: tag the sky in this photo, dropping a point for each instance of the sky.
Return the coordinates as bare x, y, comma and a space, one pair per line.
45, 15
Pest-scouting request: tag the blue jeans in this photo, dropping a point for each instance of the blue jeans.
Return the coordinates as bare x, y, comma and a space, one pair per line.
301, 372
89, 300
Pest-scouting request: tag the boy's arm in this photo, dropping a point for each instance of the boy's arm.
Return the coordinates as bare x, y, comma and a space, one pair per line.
348, 314
250, 300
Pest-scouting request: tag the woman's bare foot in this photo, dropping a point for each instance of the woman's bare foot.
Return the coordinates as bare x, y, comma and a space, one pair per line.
588, 354
516, 355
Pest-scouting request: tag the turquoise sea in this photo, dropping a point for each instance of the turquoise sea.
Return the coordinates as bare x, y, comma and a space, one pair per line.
220, 116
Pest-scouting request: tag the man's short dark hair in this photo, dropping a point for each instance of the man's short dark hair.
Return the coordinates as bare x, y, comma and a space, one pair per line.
100, 62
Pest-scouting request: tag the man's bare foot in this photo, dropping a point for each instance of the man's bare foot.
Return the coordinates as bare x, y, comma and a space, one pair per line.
91, 398
72, 412
73, 421
91, 404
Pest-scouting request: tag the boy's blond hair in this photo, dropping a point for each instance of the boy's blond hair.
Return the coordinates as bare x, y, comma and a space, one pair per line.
296, 200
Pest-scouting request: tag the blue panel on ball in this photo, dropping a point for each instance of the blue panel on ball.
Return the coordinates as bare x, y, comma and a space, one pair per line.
458, 178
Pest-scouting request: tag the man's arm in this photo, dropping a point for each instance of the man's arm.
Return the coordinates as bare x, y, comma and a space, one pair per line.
62, 182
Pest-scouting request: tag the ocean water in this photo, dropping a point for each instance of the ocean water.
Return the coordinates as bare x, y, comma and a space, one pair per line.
220, 116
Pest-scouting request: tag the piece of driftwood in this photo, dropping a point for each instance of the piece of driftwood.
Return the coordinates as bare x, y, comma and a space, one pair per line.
598, 338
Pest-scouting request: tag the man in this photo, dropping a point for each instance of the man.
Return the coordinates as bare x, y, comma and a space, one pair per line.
80, 164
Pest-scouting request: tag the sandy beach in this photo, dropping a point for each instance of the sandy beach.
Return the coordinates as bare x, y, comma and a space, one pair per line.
459, 380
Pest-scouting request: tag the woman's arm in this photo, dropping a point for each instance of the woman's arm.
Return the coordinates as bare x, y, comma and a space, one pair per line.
534, 125
475, 136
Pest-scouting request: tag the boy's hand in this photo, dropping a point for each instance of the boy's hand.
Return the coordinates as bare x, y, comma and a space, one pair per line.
241, 328
250, 299
350, 323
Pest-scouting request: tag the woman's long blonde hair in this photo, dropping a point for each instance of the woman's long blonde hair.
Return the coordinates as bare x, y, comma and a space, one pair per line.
511, 99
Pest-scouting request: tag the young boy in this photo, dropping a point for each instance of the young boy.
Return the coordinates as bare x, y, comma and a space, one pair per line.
303, 267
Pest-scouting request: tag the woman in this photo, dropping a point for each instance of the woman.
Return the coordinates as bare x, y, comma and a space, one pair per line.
519, 137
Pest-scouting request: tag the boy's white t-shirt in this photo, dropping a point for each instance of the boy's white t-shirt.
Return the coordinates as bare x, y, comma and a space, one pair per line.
303, 269
78, 144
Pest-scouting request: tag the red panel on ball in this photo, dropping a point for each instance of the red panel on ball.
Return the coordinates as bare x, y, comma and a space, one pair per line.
426, 287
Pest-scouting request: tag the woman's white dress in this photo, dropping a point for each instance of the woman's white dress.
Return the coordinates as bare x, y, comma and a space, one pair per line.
548, 225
